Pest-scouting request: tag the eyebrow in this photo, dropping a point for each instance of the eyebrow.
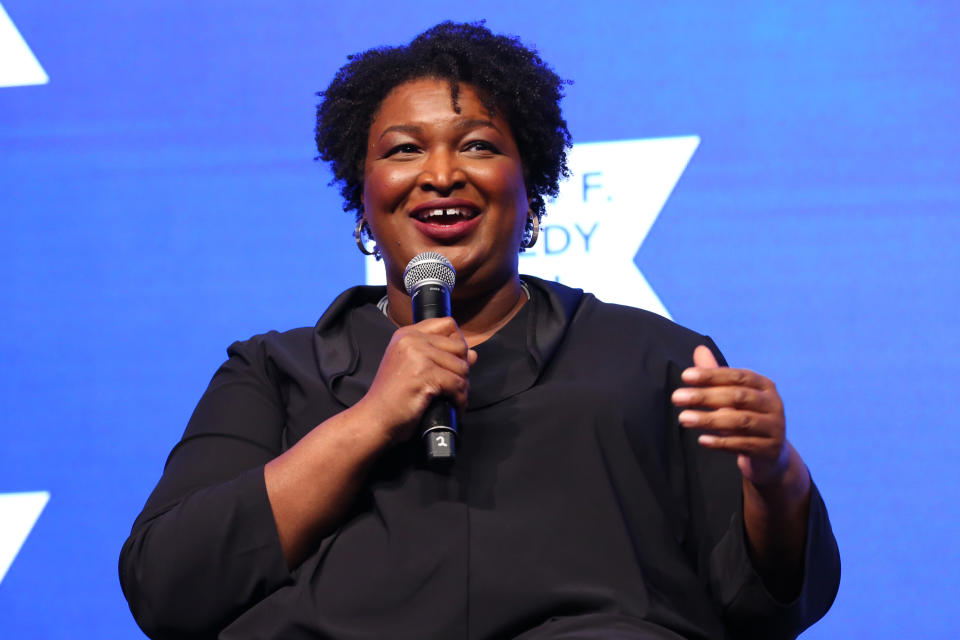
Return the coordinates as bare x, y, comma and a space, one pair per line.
462, 125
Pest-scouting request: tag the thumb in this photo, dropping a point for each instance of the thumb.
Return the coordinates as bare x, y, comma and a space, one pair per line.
703, 358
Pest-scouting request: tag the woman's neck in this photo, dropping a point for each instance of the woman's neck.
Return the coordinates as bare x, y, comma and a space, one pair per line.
478, 316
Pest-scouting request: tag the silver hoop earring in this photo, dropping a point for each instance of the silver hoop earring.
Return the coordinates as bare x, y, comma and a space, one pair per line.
358, 236
535, 219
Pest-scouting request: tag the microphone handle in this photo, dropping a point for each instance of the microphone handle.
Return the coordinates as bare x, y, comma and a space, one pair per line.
438, 426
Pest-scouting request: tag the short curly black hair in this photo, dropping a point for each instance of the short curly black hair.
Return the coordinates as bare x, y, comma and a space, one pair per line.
511, 79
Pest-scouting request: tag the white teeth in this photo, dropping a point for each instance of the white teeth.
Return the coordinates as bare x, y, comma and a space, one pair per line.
436, 213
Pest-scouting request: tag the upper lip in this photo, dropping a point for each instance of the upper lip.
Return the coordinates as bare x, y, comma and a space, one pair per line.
445, 203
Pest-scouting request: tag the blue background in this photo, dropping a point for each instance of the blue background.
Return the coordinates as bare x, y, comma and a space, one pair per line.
158, 199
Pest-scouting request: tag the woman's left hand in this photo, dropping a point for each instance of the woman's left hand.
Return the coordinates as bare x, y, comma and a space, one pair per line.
739, 411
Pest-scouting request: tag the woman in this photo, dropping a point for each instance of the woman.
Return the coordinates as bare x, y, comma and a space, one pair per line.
586, 500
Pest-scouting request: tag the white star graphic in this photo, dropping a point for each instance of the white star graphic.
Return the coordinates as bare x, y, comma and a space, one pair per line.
19, 67
602, 215
18, 513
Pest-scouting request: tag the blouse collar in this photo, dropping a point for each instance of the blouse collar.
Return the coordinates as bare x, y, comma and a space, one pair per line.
352, 335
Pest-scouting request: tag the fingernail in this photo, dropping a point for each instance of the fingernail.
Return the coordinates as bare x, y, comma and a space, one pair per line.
689, 417
690, 375
682, 395
707, 439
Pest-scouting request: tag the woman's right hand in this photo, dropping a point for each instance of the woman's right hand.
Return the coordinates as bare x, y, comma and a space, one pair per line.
423, 361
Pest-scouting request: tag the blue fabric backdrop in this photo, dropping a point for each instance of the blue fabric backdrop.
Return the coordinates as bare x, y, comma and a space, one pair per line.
158, 199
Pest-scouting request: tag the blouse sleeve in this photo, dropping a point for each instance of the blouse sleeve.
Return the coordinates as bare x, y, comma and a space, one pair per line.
205, 547
716, 509
749, 609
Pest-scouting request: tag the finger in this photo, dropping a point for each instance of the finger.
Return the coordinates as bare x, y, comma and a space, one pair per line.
437, 326
453, 387
449, 361
759, 462
732, 421
457, 335
726, 376
756, 457
737, 444
725, 397
438, 329
471, 357
703, 358
412, 345
449, 344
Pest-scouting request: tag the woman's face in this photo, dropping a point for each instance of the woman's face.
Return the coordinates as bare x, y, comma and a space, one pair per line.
437, 180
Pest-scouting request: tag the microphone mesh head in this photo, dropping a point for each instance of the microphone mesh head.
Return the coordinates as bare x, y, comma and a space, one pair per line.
428, 265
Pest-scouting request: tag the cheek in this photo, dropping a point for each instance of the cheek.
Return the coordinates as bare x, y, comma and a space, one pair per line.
384, 190
516, 198
506, 184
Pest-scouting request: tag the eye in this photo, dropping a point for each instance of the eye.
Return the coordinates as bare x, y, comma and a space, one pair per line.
481, 146
404, 148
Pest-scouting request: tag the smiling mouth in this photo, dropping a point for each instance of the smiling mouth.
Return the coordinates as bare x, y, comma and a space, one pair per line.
446, 216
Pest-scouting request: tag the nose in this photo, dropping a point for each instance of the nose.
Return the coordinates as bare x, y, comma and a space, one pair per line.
442, 172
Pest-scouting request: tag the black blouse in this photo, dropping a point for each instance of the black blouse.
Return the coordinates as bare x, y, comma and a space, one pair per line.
576, 508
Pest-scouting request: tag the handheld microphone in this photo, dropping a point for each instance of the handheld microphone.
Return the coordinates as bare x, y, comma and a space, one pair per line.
429, 278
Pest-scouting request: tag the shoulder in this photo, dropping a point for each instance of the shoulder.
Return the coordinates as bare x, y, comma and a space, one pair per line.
646, 336
273, 345
296, 345
270, 358
623, 326
637, 321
